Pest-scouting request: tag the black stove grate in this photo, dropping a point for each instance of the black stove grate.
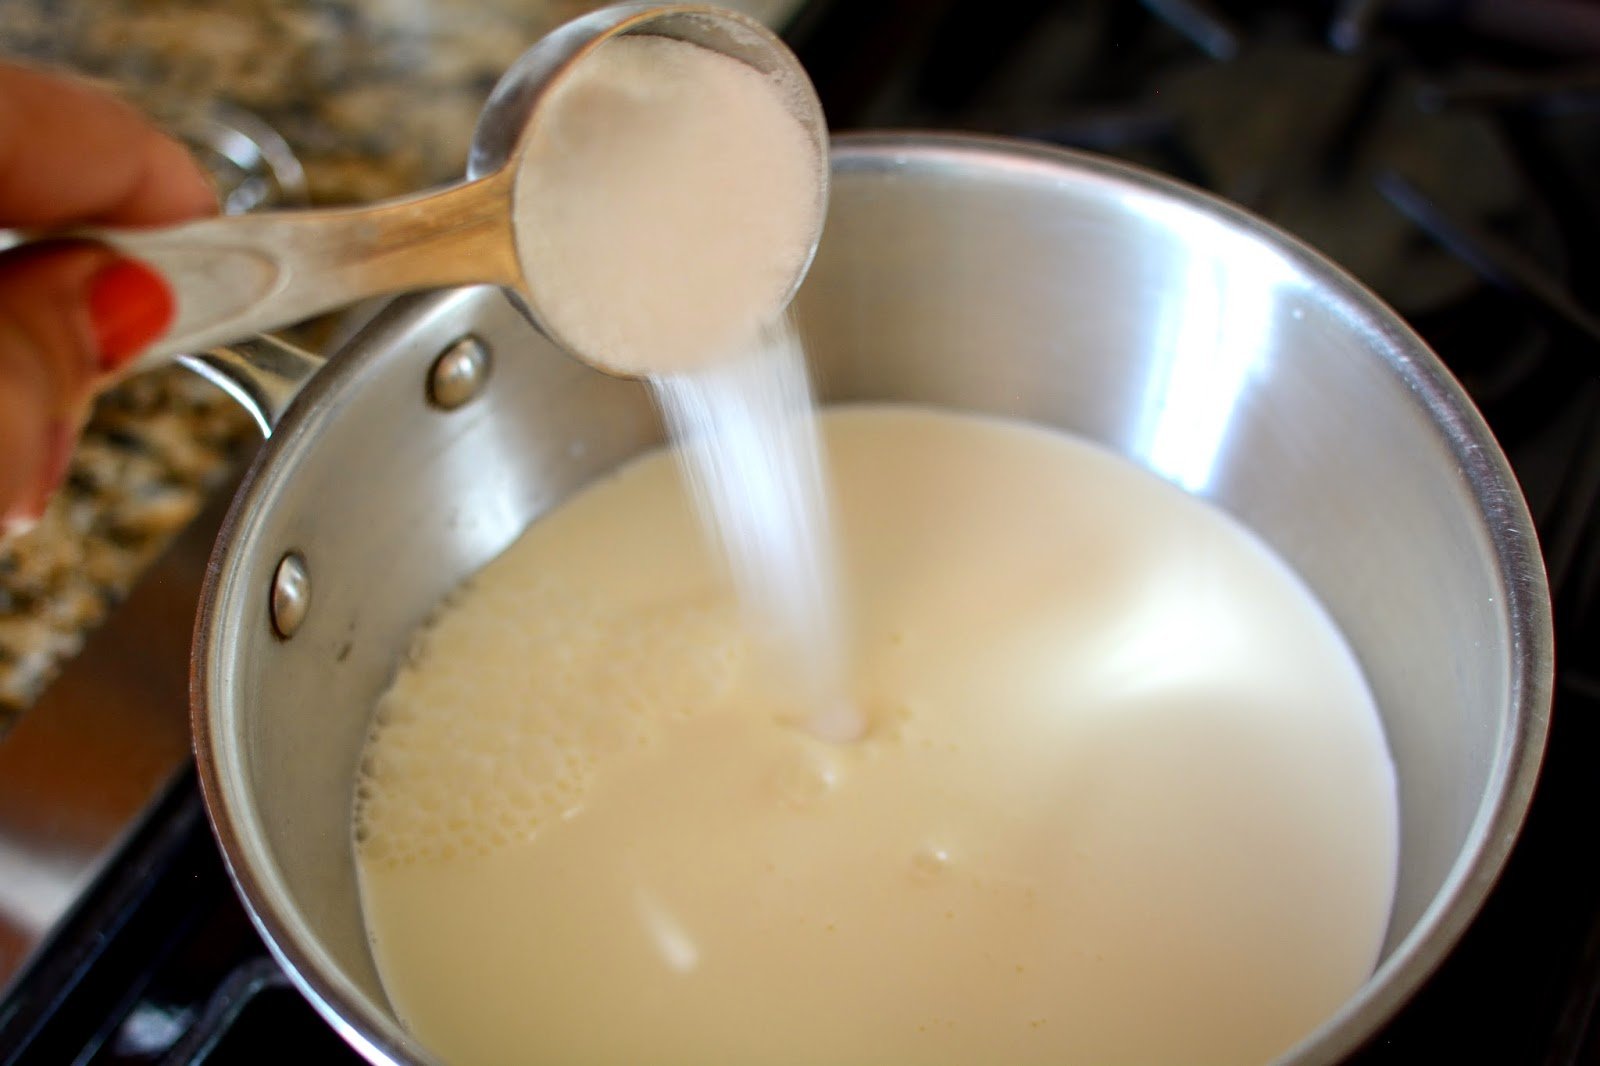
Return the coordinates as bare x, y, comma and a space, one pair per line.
159, 966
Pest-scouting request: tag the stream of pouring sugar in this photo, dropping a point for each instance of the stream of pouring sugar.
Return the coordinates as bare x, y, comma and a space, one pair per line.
667, 200
748, 445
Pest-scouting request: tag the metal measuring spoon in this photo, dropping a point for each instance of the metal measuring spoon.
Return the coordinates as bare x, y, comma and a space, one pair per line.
240, 275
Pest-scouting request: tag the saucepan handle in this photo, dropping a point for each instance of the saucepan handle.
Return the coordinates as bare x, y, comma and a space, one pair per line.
263, 374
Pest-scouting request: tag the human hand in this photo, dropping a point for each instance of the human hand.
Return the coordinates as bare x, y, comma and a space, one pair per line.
73, 313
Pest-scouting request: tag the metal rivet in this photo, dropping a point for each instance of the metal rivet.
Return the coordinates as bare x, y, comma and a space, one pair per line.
458, 374
291, 595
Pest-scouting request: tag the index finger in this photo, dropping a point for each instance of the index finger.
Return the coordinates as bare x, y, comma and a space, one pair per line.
73, 153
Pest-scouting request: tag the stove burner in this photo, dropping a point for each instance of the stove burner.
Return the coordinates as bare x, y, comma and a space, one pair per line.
1299, 135
1493, 259
1569, 27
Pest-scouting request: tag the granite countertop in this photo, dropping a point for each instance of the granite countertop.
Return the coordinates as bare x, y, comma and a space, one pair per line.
375, 98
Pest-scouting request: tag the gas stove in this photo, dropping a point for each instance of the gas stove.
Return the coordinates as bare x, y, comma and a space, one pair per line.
1447, 152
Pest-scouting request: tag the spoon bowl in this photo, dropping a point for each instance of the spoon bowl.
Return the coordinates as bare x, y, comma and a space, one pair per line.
501, 140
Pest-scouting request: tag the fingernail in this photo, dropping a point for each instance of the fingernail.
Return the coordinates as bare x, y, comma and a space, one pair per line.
130, 306
18, 522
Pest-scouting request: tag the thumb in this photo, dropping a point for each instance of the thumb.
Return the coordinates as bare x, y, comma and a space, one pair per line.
70, 314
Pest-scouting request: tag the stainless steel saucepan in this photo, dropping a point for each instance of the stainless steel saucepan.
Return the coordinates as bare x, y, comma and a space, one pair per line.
968, 273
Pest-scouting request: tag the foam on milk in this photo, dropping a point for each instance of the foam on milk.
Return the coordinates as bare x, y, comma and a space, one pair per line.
1124, 796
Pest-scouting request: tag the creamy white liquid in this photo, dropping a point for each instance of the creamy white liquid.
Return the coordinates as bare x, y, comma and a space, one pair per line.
666, 202
1124, 798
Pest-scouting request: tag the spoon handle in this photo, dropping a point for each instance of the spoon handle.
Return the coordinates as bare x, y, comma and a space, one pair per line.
243, 274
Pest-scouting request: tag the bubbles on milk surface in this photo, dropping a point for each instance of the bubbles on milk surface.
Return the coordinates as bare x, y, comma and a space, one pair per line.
553, 685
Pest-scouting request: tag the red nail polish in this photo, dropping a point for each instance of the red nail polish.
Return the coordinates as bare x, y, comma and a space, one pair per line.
130, 305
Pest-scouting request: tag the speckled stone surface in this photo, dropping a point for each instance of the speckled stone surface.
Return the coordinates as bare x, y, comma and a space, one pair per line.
375, 97
156, 448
